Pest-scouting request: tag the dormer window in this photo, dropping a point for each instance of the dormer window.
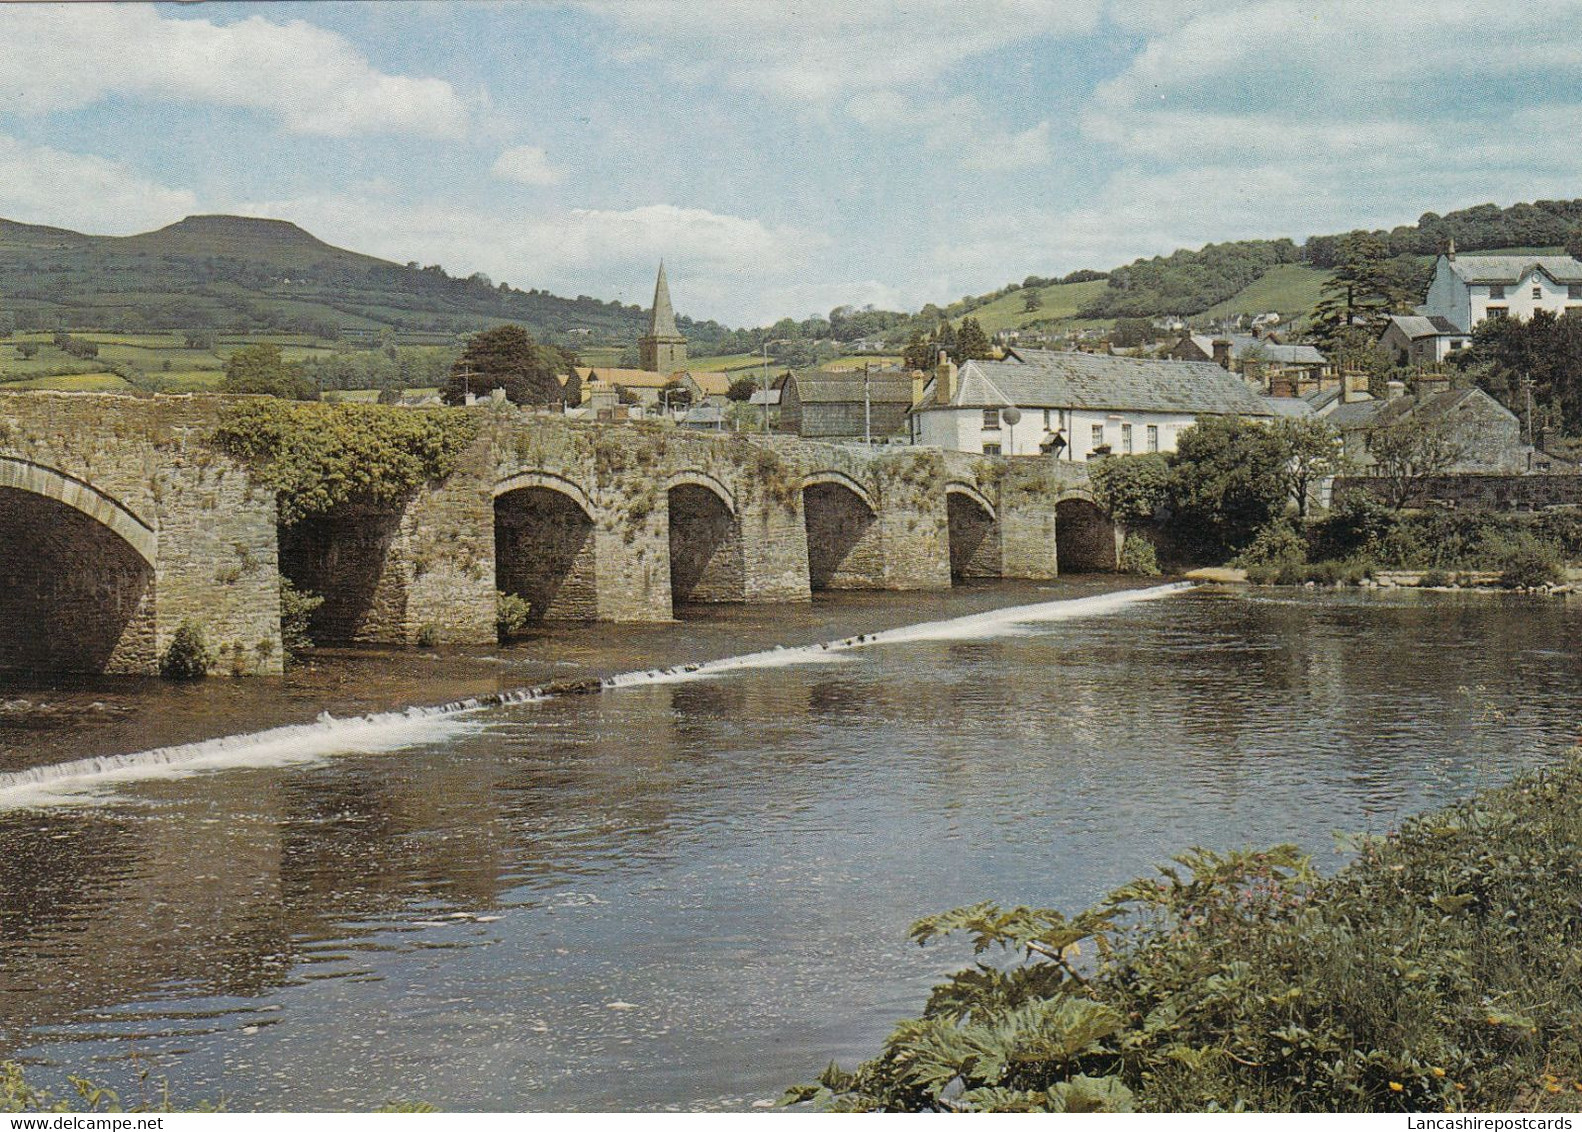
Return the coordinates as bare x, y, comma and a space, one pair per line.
1496, 290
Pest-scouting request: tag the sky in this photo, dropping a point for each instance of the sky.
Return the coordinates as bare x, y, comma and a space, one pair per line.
785, 156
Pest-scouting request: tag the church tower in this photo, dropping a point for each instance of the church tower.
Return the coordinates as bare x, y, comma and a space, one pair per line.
663, 349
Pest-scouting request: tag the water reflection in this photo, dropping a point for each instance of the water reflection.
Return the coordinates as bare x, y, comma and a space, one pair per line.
690, 894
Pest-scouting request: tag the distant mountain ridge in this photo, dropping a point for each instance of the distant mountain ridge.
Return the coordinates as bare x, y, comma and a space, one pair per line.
242, 273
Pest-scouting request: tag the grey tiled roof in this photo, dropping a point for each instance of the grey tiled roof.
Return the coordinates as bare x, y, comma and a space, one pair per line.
1511, 268
824, 386
1051, 380
1278, 352
1288, 406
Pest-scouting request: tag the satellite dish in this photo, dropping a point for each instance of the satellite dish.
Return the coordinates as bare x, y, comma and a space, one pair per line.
1011, 415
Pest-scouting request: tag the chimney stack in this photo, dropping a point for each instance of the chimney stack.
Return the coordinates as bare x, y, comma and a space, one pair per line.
1394, 390
1429, 384
1222, 352
944, 379
1355, 386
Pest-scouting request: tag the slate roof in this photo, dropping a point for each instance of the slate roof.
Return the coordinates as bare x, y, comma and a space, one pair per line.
1373, 414
1416, 326
1511, 268
712, 384
1056, 380
1279, 352
1288, 406
815, 387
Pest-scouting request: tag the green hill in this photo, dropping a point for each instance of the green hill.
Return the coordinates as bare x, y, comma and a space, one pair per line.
248, 275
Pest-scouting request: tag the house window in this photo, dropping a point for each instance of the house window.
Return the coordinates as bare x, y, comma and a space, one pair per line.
1496, 312
1046, 419
1538, 290
1496, 291
1098, 435
1126, 439
1574, 290
991, 449
991, 418
1153, 438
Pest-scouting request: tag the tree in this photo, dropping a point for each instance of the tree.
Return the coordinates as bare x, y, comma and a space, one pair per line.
506, 357
1367, 286
572, 391
1410, 450
200, 339
1314, 453
1032, 300
971, 341
1230, 478
260, 368
1131, 489
27, 350
919, 352
675, 395
1130, 332
742, 389
1574, 242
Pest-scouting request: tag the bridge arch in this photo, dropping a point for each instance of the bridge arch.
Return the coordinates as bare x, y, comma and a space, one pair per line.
844, 548
77, 579
24, 475
974, 532
706, 554
833, 478
546, 547
1084, 534
704, 482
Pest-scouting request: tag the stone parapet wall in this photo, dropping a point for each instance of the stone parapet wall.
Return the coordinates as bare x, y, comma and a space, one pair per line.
1481, 492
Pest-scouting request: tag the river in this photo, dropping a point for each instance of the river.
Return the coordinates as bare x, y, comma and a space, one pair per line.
692, 889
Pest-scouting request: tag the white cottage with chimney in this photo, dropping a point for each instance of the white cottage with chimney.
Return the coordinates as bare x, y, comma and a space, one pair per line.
1468, 289
1073, 406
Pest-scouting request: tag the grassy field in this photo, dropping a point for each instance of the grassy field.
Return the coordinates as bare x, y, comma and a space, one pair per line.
1290, 288
1059, 301
74, 383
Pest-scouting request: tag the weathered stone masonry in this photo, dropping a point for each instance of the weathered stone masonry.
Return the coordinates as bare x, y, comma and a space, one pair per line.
583, 521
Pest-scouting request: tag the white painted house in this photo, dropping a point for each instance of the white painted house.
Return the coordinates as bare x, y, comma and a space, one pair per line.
1467, 289
1073, 406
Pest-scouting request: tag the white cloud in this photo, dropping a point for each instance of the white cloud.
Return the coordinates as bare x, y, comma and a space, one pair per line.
40, 185
66, 56
527, 165
822, 51
720, 266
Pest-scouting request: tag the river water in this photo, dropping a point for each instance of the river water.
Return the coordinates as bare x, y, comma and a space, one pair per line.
692, 889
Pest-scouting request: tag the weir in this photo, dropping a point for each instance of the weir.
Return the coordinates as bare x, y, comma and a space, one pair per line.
392, 731
582, 521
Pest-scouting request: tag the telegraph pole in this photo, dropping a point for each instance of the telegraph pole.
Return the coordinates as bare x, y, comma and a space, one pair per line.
867, 409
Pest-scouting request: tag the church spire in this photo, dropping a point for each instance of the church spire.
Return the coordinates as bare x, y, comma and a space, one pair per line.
663, 322
662, 349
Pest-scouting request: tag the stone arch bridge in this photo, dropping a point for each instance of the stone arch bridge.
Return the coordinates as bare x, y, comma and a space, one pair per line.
119, 522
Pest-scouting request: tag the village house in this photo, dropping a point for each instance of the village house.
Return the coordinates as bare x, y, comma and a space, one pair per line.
1265, 361
1467, 289
845, 404
1485, 437
1419, 340
1073, 406
648, 386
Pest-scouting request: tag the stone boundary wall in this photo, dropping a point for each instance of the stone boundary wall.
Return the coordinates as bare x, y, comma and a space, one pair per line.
1480, 492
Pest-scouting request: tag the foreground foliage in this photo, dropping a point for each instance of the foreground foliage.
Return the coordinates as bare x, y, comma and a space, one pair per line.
1441, 971
319, 457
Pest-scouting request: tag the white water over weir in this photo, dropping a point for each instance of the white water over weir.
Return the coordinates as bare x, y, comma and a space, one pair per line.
86, 780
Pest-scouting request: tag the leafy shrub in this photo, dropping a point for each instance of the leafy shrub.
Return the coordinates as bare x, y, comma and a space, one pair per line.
1138, 557
1530, 563
1438, 972
513, 614
1275, 544
296, 613
1358, 523
1131, 488
1433, 578
188, 657
318, 457
428, 636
